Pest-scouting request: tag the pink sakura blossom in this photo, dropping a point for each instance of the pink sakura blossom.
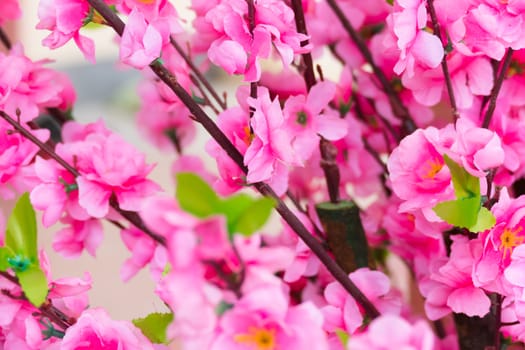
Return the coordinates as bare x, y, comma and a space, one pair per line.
305, 119
489, 27
70, 294
393, 332
27, 86
269, 153
478, 149
499, 242
78, 235
9, 10
16, 155
94, 329
195, 302
514, 275
470, 77
142, 248
64, 18
171, 116
237, 49
234, 123
263, 319
177, 226
57, 190
417, 170
141, 42
110, 166
343, 312
449, 286
417, 46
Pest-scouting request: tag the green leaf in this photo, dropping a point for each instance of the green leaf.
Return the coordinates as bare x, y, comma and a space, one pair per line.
465, 185
485, 221
5, 254
460, 212
195, 196
233, 207
34, 284
21, 229
154, 326
254, 217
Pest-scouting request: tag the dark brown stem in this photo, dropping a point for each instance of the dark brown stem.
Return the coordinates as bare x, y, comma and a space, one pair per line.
237, 157
399, 109
198, 73
300, 24
444, 65
330, 168
497, 87
5, 39
207, 101
132, 217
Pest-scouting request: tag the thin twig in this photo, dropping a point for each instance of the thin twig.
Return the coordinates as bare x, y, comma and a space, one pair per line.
5, 39
399, 109
497, 87
201, 116
205, 97
198, 73
300, 24
132, 217
444, 64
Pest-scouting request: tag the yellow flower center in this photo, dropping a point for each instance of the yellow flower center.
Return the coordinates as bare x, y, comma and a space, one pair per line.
510, 239
147, 2
431, 168
259, 338
248, 135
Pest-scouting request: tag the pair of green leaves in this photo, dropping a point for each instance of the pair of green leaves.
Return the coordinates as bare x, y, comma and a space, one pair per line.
244, 214
20, 252
466, 210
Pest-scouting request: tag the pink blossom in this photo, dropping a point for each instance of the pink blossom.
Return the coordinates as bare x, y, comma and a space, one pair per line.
195, 302
142, 248
9, 10
449, 286
269, 153
393, 332
64, 18
70, 294
141, 42
418, 172
78, 235
94, 329
306, 120
108, 166
263, 319
16, 154
499, 242
417, 45
237, 48
343, 312
478, 149
26, 86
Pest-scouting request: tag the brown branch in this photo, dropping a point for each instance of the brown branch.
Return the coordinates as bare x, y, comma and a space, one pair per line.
5, 39
198, 73
47, 309
444, 64
399, 109
497, 87
132, 217
300, 24
237, 157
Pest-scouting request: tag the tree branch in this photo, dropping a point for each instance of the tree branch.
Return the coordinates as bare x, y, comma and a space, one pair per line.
497, 87
399, 109
237, 157
444, 64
